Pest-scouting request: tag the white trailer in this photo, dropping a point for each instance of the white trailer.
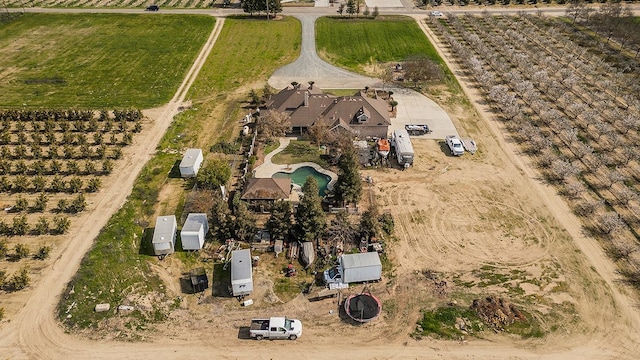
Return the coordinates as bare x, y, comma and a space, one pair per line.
402, 145
241, 273
194, 231
191, 162
164, 235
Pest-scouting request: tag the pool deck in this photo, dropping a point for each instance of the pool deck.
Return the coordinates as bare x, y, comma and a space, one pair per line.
268, 168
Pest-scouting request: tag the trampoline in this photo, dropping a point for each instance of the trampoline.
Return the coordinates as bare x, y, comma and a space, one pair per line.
362, 307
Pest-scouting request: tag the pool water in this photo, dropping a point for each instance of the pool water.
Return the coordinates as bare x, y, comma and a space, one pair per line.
300, 175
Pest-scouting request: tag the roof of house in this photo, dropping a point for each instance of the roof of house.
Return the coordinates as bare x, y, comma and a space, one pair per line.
267, 189
165, 230
291, 97
348, 108
305, 107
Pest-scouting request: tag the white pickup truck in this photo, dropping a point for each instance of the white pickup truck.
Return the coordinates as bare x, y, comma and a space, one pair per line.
455, 145
275, 328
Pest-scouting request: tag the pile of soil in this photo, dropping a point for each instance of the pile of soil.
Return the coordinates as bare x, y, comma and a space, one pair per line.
496, 312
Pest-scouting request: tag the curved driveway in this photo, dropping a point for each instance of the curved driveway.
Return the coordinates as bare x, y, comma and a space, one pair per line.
309, 66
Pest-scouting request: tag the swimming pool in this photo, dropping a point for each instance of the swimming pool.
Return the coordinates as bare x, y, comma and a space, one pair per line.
300, 175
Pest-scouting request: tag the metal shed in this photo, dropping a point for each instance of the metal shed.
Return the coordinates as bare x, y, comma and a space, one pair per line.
190, 163
241, 273
193, 231
164, 235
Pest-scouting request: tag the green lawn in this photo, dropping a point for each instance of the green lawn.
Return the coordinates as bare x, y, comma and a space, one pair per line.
97, 60
253, 50
354, 43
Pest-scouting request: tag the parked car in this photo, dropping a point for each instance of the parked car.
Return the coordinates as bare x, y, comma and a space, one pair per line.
436, 13
275, 328
152, 8
455, 145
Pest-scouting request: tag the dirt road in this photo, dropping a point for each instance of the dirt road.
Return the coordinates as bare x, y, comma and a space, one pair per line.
449, 215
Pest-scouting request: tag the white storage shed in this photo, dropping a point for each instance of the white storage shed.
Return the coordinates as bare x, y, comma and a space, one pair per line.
164, 235
194, 231
191, 162
241, 273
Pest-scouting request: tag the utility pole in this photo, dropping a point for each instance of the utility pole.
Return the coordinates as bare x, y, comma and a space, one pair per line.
267, 1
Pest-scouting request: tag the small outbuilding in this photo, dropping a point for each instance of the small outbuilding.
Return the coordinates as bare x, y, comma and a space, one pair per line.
241, 273
191, 162
193, 231
164, 235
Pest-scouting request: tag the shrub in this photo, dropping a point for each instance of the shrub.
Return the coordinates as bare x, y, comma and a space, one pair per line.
20, 280
22, 251
61, 224
42, 226
43, 252
3, 249
20, 225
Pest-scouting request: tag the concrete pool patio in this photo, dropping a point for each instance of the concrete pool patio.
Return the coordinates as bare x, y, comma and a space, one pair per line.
268, 168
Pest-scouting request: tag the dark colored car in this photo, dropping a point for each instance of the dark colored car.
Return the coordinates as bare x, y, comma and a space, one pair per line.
152, 8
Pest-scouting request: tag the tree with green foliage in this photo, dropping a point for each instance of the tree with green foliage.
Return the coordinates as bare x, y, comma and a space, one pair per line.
77, 205
348, 188
61, 224
369, 224
4, 249
213, 174
42, 226
20, 225
279, 223
20, 280
375, 13
221, 224
341, 9
93, 185
273, 124
266, 93
254, 99
22, 250
21, 204
43, 252
310, 218
351, 7
244, 220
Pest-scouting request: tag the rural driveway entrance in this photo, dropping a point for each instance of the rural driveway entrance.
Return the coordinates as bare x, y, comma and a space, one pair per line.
413, 107
309, 67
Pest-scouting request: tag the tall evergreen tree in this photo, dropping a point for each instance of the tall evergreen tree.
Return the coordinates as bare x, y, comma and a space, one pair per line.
310, 218
280, 222
348, 188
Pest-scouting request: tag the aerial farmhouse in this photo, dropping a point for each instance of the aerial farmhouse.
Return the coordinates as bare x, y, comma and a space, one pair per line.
359, 114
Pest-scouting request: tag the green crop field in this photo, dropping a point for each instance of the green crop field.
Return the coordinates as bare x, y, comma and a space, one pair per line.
353, 43
253, 50
97, 60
